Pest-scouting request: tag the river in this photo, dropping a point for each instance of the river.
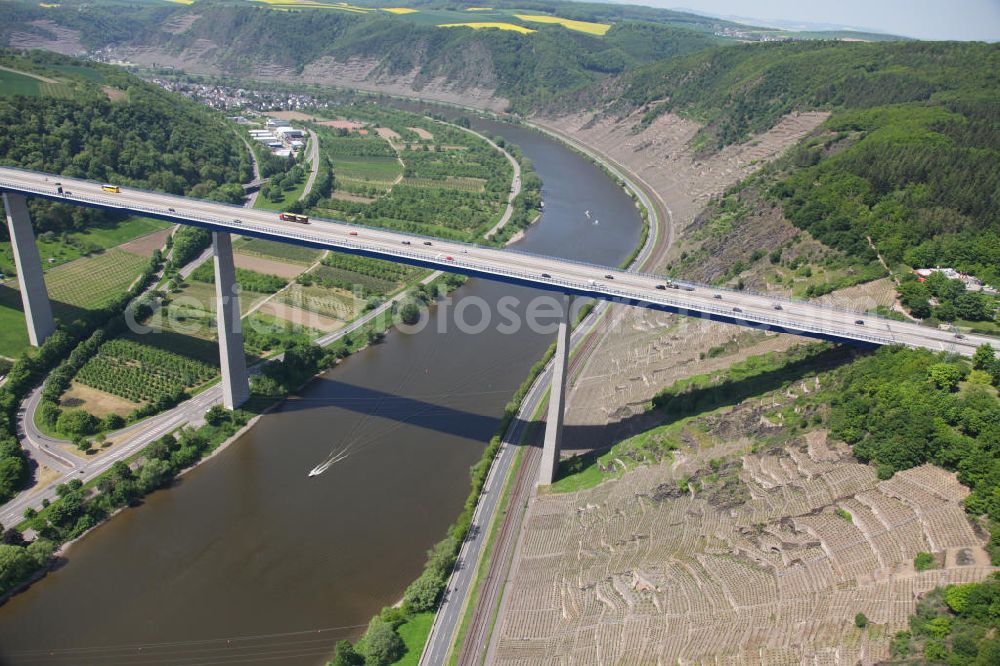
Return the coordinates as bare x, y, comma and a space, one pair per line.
248, 545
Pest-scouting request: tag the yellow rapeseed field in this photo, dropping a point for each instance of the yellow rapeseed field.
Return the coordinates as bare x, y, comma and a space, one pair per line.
399, 10
499, 25
580, 26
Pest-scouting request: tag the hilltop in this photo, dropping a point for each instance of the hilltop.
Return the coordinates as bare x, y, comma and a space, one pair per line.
511, 55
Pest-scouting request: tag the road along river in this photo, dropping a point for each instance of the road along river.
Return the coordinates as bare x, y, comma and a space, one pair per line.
248, 547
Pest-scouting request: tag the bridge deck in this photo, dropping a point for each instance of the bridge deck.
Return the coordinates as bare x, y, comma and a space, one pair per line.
558, 275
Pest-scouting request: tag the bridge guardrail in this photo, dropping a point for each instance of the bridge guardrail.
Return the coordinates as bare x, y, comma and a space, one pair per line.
530, 277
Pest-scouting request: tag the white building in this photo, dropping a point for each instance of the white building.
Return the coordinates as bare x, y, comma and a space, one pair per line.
290, 133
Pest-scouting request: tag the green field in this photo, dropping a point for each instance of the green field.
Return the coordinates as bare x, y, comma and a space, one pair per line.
375, 168
264, 334
93, 282
123, 232
189, 346
462, 184
54, 250
142, 373
86, 284
14, 83
346, 279
85, 71
414, 634
286, 252
13, 333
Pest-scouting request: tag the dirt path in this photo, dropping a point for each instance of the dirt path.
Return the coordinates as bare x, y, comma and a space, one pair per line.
259, 304
37, 77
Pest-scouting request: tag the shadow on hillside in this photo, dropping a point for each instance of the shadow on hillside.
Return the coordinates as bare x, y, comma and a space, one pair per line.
588, 443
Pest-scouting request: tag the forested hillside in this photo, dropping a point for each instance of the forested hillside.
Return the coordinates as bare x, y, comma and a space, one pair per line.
105, 124
95, 121
527, 69
910, 157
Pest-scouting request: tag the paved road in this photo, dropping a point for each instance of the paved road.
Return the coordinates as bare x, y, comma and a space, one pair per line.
456, 598
141, 434
515, 183
559, 275
313, 162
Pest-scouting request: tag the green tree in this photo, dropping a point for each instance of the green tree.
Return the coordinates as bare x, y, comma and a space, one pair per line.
422, 594
946, 375
216, 415
153, 474
76, 422
860, 621
957, 596
48, 412
409, 314
382, 644
113, 422
15, 565
346, 655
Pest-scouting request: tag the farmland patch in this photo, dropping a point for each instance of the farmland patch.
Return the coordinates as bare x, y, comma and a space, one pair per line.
96, 402
142, 373
284, 252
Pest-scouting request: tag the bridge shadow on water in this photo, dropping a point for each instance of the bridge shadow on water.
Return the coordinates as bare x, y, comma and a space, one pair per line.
459, 421
432, 413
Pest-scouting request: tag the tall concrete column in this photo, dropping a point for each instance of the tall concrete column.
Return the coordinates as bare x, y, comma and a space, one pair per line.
34, 295
235, 382
557, 400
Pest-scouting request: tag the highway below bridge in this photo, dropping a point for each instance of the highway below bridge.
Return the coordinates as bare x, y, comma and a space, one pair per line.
763, 312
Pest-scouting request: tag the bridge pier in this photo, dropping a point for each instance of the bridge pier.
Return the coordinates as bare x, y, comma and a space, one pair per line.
34, 295
235, 381
557, 400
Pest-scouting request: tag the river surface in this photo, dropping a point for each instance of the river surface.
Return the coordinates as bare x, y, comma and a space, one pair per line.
248, 545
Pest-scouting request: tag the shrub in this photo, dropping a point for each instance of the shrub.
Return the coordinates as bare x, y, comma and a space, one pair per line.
76, 422
923, 561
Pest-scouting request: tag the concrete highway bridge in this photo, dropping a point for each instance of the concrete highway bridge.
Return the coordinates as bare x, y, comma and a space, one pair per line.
557, 275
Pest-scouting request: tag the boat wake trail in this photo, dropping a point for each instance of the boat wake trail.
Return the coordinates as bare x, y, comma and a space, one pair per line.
331, 460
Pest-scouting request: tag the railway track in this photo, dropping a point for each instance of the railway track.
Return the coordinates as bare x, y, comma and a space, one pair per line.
474, 646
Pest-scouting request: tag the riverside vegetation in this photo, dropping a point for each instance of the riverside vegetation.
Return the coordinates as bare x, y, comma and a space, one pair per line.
166, 378
145, 138
906, 159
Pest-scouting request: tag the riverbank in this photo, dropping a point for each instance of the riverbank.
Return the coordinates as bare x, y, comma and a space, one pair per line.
415, 412
368, 328
518, 475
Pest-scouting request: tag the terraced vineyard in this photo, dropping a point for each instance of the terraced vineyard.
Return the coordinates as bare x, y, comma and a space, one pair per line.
141, 373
